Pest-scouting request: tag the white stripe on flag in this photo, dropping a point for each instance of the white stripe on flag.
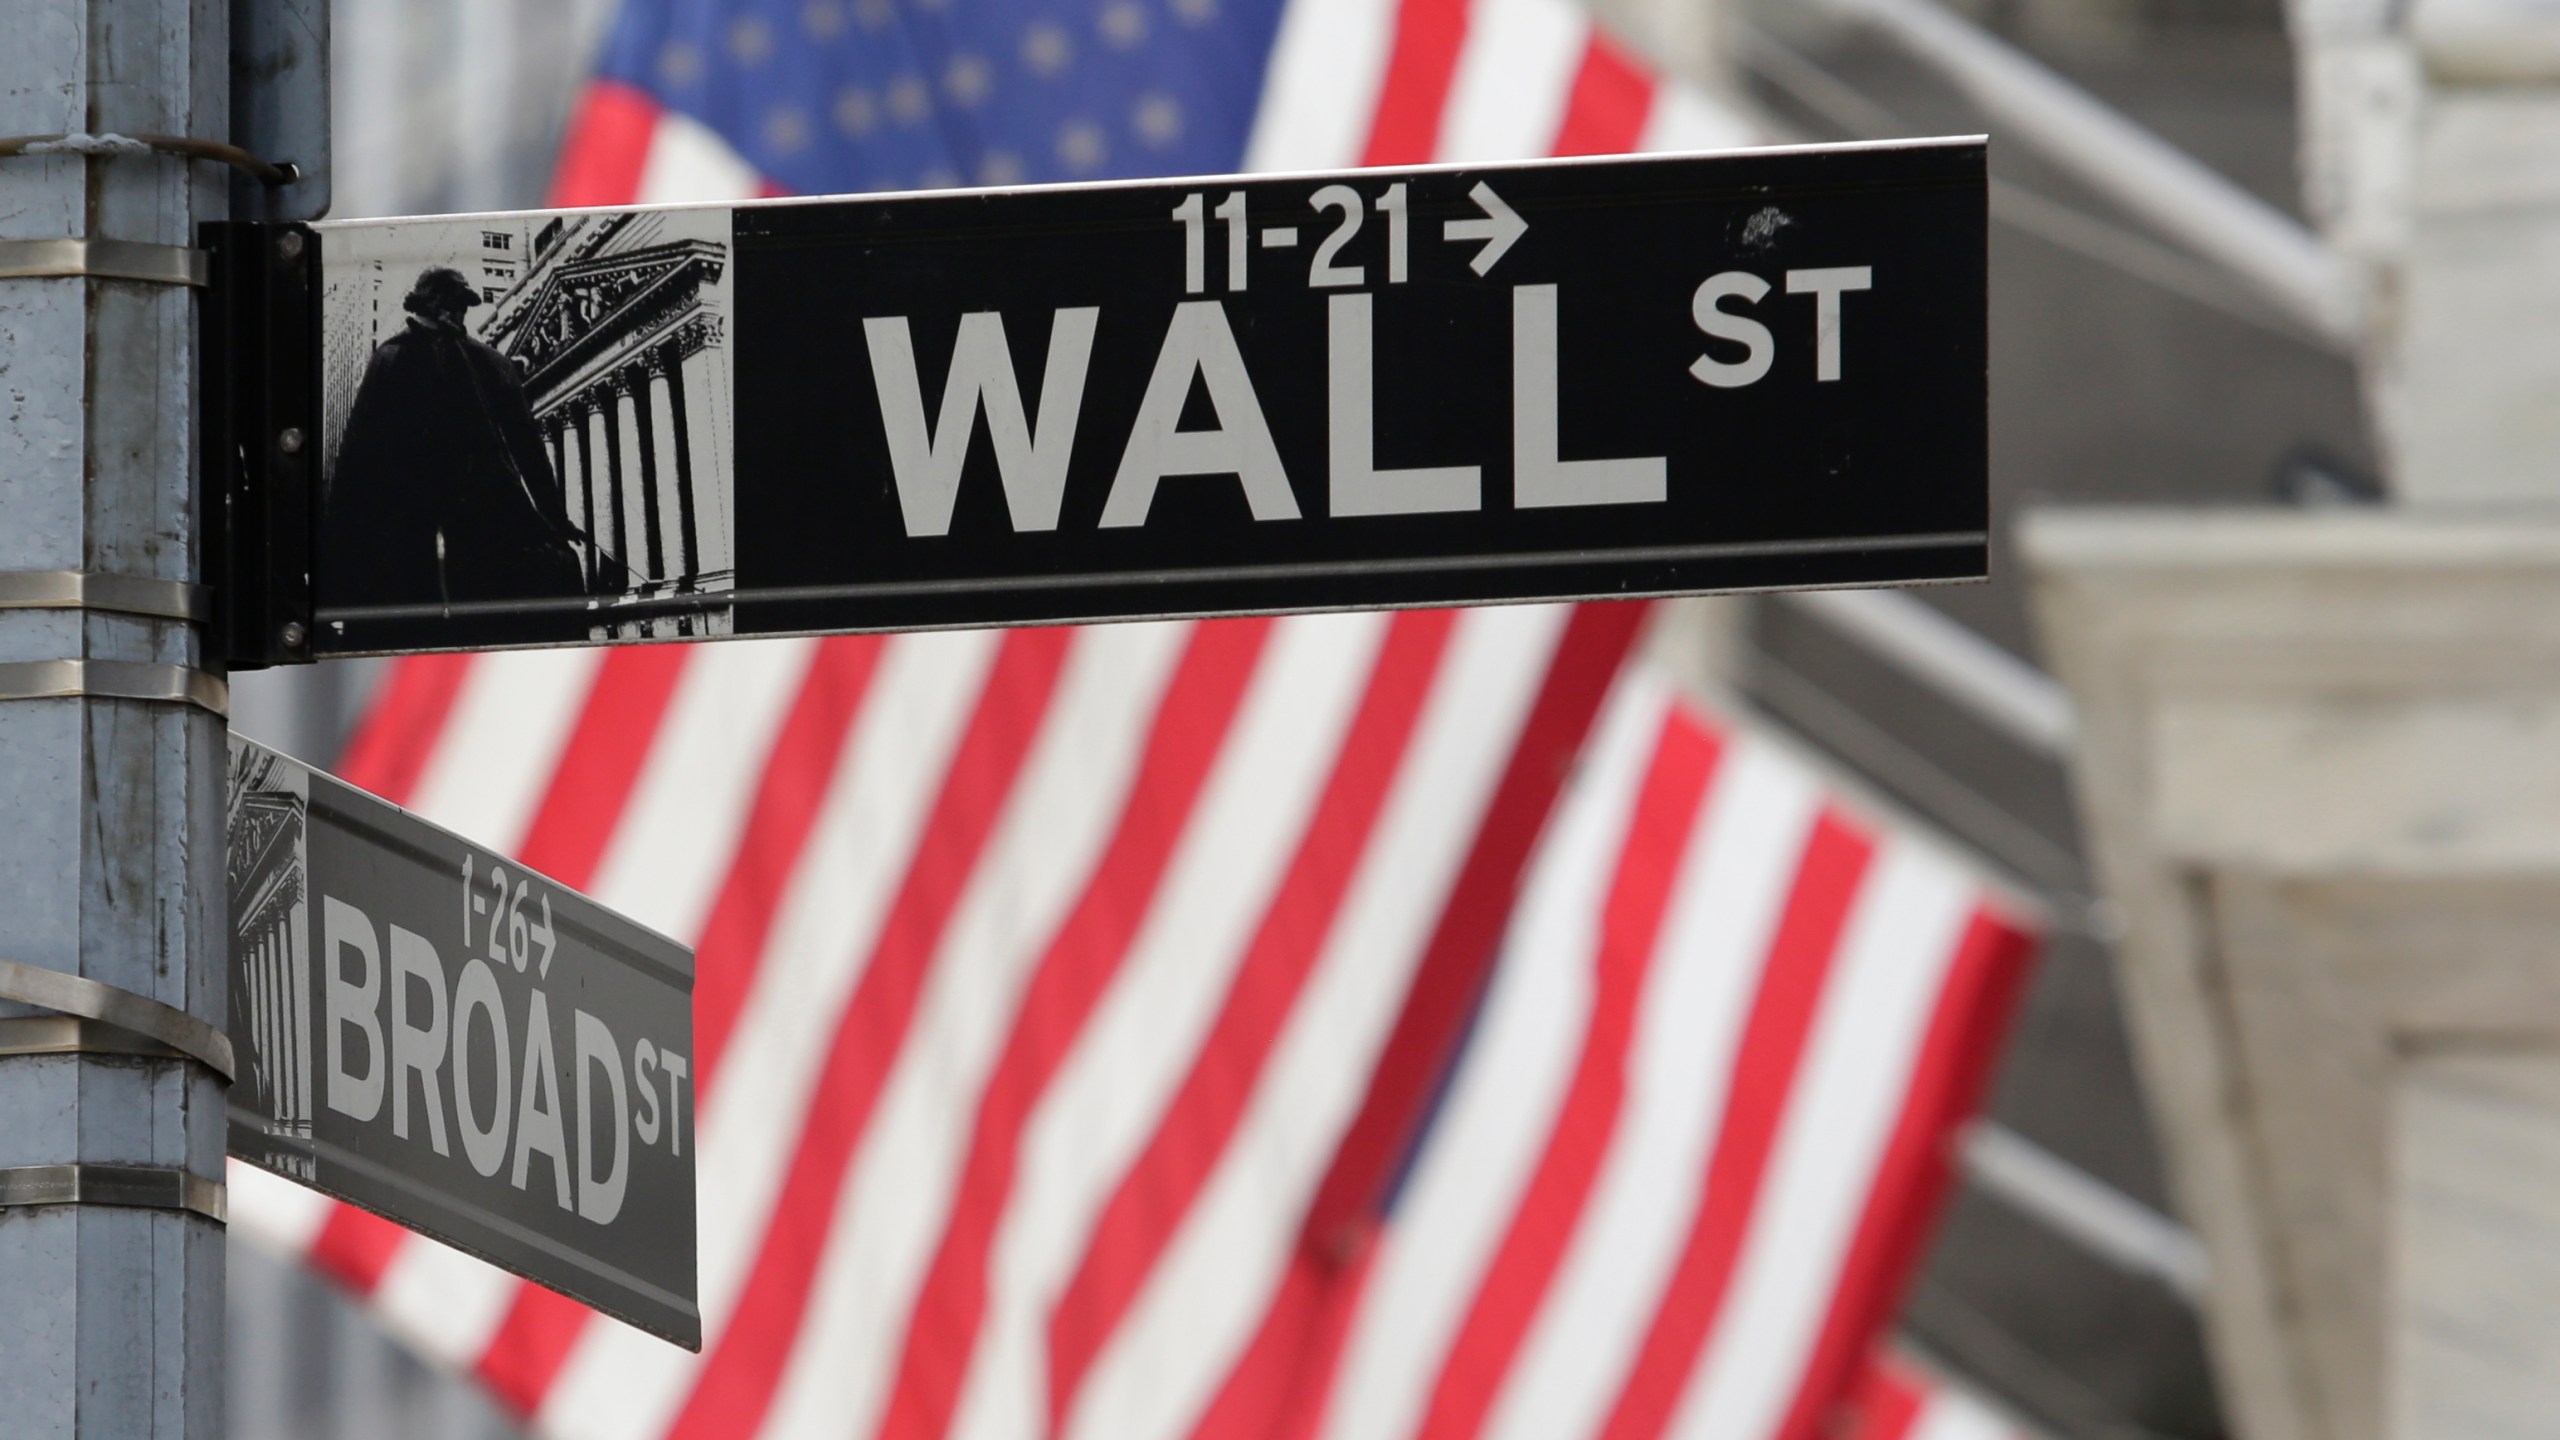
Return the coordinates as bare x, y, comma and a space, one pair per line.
897, 1196
1507, 101
1140, 1041
1681, 118
688, 162
1948, 1415
668, 856
1883, 991
1493, 1125
1726, 904
444, 1303
494, 760
1198, 1308
1321, 86
275, 1212
618, 1381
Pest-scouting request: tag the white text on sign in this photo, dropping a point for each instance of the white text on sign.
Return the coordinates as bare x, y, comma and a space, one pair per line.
477, 1046
926, 457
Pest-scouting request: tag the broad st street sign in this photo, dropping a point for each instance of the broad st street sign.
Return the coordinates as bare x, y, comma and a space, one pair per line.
433, 1033
1583, 378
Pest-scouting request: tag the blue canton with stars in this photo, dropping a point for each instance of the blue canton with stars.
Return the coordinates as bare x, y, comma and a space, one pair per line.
836, 96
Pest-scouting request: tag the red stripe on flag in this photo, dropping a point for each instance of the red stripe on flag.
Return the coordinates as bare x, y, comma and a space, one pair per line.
355, 1246
1159, 1188
1190, 729
1421, 64
1465, 940
798, 772
607, 147
390, 749
1764, 1073
1266, 1395
1277, 1388
530, 1345
1912, 1178
601, 761
1605, 112
747, 1358
1888, 1402
1516, 1281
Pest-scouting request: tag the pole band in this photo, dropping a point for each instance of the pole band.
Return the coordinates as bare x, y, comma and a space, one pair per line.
71, 1035
104, 260
143, 1187
123, 594
134, 1014
114, 680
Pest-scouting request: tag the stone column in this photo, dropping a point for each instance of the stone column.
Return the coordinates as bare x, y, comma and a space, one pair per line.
644, 400
2428, 127
578, 411
261, 1003
669, 362
631, 463
703, 371
294, 1101
609, 410
551, 427
2321, 771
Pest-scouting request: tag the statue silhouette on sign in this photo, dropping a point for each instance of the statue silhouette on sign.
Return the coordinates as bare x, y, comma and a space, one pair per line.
443, 492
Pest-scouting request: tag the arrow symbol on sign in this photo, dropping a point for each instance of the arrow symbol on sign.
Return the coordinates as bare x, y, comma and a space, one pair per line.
1500, 226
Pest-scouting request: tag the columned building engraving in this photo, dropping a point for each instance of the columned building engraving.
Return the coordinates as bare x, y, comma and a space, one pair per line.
617, 327
272, 993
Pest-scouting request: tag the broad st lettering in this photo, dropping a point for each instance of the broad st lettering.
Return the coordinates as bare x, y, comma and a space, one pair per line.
475, 1062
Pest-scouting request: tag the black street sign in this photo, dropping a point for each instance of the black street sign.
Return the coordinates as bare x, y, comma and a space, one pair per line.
431, 1032
1568, 379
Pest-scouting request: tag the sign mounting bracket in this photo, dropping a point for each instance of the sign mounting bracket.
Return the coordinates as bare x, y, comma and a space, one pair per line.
261, 438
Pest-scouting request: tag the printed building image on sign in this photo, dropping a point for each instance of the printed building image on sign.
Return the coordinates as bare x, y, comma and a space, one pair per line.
530, 414
430, 1032
1566, 379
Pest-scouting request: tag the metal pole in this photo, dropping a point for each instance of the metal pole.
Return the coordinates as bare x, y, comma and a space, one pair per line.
111, 838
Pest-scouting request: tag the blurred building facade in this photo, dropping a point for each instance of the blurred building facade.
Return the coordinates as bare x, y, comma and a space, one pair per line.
2317, 771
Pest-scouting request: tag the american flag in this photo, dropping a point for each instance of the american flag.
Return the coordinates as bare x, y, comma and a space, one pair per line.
726, 99
1228, 1029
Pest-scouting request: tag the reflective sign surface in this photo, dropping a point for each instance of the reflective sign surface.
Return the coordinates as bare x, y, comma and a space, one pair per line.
1566, 379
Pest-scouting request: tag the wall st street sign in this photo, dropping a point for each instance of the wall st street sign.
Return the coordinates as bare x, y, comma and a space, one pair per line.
432, 1032
1585, 378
